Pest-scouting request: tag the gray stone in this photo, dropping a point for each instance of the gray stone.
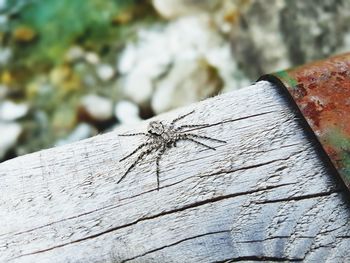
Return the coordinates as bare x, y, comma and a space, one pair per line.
315, 29
283, 33
256, 40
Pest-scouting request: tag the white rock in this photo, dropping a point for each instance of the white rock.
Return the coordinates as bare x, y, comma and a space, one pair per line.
150, 54
10, 133
99, 108
158, 47
10, 111
3, 91
138, 86
127, 112
147, 60
3, 20
187, 82
221, 58
174, 8
82, 131
92, 58
105, 72
127, 59
74, 53
5, 55
162, 58
3, 4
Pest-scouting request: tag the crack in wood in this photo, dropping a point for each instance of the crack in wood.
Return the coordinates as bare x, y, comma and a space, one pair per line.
272, 238
174, 244
246, 167
189, 206
115, 206
300, 197
260, 259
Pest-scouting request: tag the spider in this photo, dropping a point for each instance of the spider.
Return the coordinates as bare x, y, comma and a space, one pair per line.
162, 136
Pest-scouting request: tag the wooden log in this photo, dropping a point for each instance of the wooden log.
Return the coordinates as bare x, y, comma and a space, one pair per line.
265, 195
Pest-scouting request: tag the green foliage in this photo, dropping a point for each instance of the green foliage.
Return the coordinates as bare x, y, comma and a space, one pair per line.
60, 23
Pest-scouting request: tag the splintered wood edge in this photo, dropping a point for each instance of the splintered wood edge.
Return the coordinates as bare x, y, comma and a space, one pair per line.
264, 195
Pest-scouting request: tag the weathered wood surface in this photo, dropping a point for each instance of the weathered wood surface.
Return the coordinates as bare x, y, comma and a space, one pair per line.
266, 195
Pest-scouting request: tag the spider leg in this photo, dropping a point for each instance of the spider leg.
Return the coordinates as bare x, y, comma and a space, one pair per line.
134, 134
197, 142
159, 155
139, 157
134, 151
203, 137
191, 126
180, 117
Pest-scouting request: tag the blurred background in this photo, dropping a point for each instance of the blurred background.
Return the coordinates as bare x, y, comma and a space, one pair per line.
70, 69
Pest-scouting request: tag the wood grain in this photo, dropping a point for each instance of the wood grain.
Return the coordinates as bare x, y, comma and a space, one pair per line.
266, 195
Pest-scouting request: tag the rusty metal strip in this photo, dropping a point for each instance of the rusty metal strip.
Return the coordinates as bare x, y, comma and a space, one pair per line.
322, 92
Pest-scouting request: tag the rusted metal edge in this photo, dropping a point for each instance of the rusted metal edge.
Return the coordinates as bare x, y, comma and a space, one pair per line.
321, 90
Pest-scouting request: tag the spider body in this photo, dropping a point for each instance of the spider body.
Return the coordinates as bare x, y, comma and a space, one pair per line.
160, 132
162, 136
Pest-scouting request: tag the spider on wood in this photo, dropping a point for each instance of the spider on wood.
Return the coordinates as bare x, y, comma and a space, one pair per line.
161, 136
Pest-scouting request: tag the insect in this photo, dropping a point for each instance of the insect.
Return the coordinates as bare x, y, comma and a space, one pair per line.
162, 136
